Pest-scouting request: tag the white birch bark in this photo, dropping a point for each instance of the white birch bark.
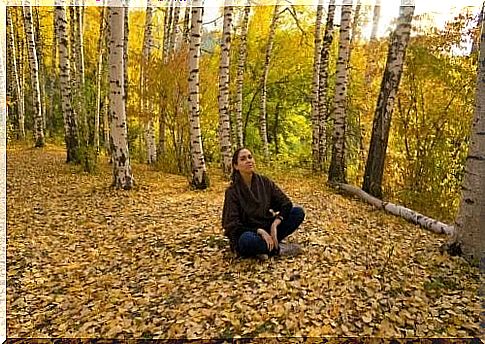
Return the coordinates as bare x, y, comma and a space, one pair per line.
315, 85
146, 107
40, 61
174, 41
374, 169
336, 171
106, 125
355, 35
126, 29
70, 123
263, 127
122, 176
167, 36
75, 80
99, 76
223, 98
80, 45
408, 214
240, 76
199, 171
469, 240
17, 82
323, 85
18, 46
187, 23
150, 141
375, 20
34, 69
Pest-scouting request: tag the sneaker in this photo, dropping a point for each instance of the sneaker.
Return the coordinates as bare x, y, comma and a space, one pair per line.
262, 257
290, 249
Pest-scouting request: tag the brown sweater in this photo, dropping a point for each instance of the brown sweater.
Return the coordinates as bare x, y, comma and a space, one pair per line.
247, 209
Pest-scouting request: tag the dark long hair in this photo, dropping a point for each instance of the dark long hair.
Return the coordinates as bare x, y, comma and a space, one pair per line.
235, 173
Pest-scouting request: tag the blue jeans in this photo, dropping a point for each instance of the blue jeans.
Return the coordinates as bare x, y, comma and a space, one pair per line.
251, 244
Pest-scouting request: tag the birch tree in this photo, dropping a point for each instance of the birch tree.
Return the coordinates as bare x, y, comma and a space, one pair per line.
374, 168
40, 61
122, 176
79, 45
187, 23
70, 123
146, 109
175, 29
240, 76
316, 84
167, 22
17, 80
99, 75
375, 20
263, 129
167, 32
126, 33
199, 172
223, 98
34, 72
469, 238
337, 168
323, 85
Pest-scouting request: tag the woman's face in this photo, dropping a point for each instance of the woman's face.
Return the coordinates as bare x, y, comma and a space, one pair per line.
245, 162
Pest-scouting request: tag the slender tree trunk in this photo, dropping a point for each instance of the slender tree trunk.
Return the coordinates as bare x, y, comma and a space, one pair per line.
240, 76
323, 85
54, 84
122, 176
337, 168
167, 39
167, 20
17, 83
375, 20
107, 120
150, 140
315, 87
126, 29
80, 45
374, 169
70, 123
355, 25
174, 41
34, 70
74, 73
224, 123
264, 81
21, 72
187, 23
146, 107
40, 60
276, 126
99, 77
161, 132
199, 172
476, 40
469, 239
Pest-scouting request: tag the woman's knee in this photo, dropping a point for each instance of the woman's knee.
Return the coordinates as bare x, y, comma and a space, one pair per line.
246, 240
298, 212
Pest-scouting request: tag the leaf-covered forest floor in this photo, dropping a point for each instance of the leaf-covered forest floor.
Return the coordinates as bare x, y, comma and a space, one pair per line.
87, 261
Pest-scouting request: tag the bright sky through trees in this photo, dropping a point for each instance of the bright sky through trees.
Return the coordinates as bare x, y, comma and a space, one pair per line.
441, 11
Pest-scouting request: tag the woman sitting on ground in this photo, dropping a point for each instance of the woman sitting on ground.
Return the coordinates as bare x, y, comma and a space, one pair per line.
257, 215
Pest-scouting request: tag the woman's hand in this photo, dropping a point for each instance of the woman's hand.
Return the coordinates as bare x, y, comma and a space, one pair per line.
267, 238
274, 231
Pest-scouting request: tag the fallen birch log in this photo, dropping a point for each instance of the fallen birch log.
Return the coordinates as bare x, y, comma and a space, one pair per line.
408, 214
